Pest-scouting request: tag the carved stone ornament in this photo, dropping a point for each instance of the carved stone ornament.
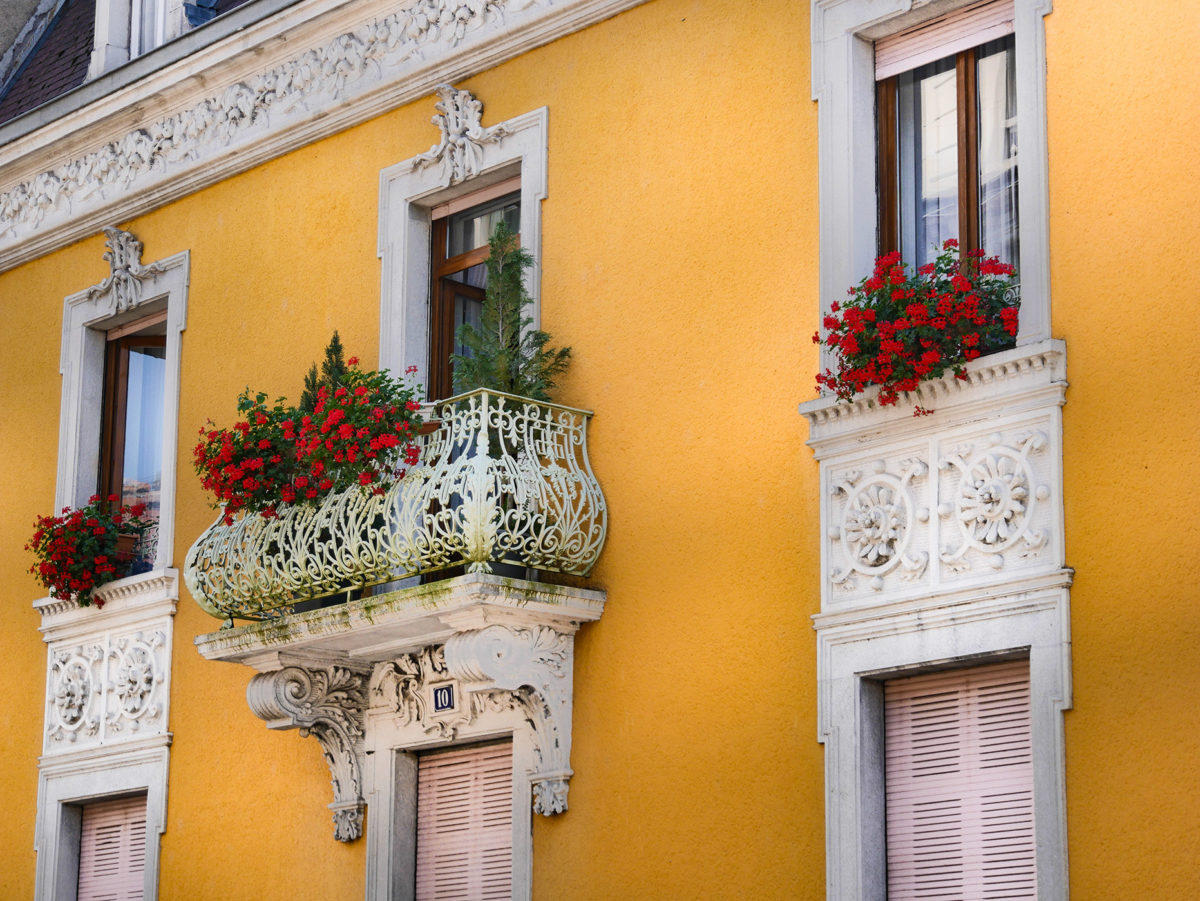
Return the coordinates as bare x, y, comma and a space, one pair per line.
74, 687
877, 524
996, 501
107, 689
126, 272
495, 668
327, 703
355, 57
133, 676
463, 136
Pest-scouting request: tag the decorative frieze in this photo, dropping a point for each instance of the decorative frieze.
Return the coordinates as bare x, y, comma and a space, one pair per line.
106, 688
339, 80
969, 498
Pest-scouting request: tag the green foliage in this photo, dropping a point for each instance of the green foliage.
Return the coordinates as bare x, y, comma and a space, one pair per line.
506, 352
333, 375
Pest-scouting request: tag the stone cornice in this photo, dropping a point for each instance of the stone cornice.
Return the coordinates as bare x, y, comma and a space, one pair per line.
309, 71
127, 601
378, 628
1022, 378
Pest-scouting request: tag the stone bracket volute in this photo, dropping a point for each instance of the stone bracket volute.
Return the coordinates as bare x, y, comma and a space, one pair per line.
328, 703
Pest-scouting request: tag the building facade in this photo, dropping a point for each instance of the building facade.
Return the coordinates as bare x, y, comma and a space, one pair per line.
836, 651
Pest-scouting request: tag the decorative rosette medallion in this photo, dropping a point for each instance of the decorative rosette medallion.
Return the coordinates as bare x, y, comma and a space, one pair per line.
996, 500
877, 523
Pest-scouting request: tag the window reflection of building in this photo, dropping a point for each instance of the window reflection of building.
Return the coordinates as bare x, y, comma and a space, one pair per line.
131, 458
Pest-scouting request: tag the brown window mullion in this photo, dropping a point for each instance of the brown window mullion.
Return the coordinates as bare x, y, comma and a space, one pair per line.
115, 410
888, 162
968, 152
112, 438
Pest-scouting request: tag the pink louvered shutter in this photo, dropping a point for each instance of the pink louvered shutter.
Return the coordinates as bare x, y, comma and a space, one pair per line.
112, 850
942, 37
960, 784
464, 823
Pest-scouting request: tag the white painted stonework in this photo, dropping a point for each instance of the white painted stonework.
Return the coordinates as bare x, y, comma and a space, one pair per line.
306, 72
968, 498
130, 290
468, 156
108, 669
107, 703
361, 678
942, 546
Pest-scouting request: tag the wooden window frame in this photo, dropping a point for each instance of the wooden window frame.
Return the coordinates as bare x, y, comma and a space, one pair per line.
888, 156
110, 478
443, 287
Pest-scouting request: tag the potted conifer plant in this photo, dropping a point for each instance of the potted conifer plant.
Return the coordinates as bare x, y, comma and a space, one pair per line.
506, 353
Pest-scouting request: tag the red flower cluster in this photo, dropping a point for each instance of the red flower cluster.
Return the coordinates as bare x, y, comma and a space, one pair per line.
247, 465
78, 551
898, 329
361, 433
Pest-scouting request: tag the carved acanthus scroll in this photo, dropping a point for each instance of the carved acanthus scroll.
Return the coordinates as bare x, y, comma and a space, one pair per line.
126, 272
460, 149
329, 704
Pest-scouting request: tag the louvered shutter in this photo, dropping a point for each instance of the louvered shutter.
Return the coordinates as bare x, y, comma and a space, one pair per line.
112, 850
959, 775
464, 823
942, 37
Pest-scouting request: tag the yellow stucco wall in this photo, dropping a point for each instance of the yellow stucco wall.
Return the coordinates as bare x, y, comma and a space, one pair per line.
668, 251
680, 262
1125, 221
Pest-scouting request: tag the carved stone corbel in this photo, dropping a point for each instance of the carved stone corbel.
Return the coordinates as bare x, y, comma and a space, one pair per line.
328, 703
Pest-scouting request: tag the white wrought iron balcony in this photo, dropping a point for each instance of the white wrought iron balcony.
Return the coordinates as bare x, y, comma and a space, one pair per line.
502, 479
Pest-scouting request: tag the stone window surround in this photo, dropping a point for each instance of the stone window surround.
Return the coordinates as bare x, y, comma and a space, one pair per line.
857, 653
1011, 612
134, 762
64, 786
129, 763
409, 190
130, 291
843, 84
392, 749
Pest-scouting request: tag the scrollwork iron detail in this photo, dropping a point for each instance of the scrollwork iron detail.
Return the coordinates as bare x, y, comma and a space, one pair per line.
503, 479
329, 704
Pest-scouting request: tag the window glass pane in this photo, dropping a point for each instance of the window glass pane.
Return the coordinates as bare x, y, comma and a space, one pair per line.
142, 464
996, 82
927, 114
475, 276
467, 309
473, 227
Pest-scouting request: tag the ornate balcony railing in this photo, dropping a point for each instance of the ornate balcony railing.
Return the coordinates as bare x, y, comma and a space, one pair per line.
501, 480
